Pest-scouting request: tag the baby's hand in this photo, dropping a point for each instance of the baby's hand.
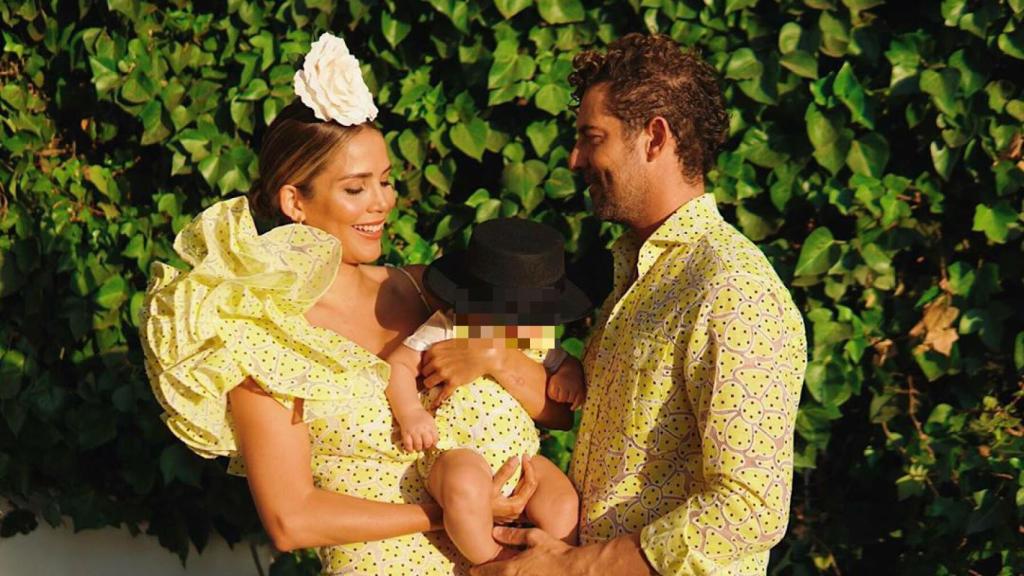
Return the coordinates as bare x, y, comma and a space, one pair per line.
567, 391
418, 429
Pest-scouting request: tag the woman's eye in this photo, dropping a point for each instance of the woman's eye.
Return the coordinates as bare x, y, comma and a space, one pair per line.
385, 184
353, 190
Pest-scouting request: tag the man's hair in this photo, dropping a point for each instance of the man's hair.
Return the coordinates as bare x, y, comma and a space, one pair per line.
649, 76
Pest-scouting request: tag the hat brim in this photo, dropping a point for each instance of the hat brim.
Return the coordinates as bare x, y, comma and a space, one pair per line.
446, 278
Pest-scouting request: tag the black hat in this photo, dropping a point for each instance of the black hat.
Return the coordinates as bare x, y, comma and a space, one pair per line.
513, 271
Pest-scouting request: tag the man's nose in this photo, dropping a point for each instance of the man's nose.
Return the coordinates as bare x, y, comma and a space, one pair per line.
574, 158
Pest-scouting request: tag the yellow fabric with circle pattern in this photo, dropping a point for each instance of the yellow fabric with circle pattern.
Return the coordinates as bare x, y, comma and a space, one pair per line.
693, 382
239, 313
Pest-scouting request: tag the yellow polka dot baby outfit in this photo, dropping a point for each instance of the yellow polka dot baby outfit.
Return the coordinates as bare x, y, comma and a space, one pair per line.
481, 416
693, 382
239, 313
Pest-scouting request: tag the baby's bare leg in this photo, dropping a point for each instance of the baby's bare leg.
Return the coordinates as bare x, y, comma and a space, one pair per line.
555, 506
460, 481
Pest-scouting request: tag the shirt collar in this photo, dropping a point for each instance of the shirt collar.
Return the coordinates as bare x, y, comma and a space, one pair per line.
686, 225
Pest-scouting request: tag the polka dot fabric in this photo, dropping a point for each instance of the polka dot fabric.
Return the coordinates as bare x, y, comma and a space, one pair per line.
693, 384
239, 313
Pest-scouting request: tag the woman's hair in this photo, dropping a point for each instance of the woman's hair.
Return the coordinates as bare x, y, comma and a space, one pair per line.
295, 149
650, 76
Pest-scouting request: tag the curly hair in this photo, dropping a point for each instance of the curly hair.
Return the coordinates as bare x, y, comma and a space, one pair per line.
649, 76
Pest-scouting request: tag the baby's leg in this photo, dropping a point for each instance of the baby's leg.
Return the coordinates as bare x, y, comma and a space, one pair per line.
460, 481
554, 507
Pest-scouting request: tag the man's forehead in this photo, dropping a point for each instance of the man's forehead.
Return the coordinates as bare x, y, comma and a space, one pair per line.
591, 112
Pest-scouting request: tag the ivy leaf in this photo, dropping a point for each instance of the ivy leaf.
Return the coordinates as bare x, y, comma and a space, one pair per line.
412, 147
868, 155
523, 179
942, 86
560, 184
743, 64
848, 89
112, 292
553, 99
829, 136
470, 137
394, 30
560, 11
510, 8
835, 34
818, 253
12, 366
541, 135
153, 128
995, 221
801, 63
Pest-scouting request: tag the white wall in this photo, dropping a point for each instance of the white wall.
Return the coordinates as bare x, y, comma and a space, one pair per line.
114, 552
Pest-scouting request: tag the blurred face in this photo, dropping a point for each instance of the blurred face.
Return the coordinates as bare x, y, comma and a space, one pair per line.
353, 196
609, 160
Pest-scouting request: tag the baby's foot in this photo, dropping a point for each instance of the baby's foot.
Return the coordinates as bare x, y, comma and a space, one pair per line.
419, 432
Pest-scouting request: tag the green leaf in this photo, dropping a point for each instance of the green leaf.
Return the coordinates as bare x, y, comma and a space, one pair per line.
743, 64
470, 137
818, 253
1011, 42
177, 463
861, 5
995, 221
944, 159
868, 155
412, 147
801, 63
394, 30
849, 91
523, 179
560, 11
942, 86
112, 292
510, 8
553, 99
737, 5
560, 184
153, 128
541, 135
829, 136
835, 34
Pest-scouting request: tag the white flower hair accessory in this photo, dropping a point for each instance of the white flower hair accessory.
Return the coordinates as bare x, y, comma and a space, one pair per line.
331, 84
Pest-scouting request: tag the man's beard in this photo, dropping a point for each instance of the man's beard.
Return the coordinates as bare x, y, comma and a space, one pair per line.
621, 205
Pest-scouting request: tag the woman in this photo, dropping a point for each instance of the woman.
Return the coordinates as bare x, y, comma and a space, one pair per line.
263, 351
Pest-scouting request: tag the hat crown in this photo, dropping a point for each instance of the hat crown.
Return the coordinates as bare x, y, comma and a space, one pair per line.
515, 252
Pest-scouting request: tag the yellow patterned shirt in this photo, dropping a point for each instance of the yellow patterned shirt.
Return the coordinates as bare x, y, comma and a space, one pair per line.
694, 378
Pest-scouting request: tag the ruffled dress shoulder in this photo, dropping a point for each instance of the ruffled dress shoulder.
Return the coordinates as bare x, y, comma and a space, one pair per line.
237, 314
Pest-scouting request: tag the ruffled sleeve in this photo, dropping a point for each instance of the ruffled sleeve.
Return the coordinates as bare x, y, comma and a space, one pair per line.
239, 313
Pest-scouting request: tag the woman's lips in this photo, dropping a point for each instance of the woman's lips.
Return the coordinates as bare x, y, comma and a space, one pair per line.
370, 230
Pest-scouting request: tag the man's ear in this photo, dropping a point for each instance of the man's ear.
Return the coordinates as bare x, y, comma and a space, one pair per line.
659, 137
291, 203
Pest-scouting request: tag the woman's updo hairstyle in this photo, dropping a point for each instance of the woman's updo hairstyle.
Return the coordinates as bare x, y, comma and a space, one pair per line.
294, 150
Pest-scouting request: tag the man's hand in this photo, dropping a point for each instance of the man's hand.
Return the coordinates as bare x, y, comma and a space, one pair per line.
544, 554
506, 509
457, 362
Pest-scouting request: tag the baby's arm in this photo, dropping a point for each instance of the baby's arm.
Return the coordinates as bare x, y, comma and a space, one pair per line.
566, 385
417, 425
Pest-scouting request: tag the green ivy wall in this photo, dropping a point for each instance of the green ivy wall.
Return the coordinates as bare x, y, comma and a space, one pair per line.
875, 156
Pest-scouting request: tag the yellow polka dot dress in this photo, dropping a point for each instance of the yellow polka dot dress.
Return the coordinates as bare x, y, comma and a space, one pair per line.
239, 313
481, 416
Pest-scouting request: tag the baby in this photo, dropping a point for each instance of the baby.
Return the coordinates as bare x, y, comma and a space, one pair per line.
508, 289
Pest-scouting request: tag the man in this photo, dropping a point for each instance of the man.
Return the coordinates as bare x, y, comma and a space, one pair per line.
684, 454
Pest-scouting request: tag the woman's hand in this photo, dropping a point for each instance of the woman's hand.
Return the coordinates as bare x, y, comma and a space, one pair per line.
457, 362
508, 509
